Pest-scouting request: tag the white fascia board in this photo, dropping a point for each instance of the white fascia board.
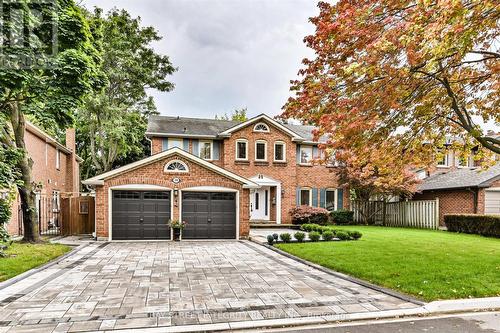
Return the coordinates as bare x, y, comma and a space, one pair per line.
99, 180
260, 117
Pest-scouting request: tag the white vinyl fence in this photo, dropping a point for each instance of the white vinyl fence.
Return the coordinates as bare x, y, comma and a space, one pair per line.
416, 214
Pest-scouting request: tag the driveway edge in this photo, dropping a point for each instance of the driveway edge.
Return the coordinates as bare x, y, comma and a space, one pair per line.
344, 276
55, 261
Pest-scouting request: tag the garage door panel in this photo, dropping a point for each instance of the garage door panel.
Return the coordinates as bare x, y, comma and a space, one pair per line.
210, 215
140, 215
492, 202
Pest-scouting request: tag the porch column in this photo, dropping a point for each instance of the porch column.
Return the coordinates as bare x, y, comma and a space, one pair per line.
278, 203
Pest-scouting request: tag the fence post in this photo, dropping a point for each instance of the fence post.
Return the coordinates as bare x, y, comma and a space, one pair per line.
436, 225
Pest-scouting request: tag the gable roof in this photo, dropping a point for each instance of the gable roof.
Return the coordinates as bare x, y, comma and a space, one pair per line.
99, 180
461, 178
183, 127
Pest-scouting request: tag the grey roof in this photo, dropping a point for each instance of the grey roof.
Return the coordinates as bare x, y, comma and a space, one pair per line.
461, 178
184, 126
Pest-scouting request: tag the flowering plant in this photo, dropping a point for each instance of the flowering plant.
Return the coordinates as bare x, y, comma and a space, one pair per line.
176, 224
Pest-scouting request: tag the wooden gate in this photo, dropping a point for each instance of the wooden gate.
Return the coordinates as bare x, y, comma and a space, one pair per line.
78, 215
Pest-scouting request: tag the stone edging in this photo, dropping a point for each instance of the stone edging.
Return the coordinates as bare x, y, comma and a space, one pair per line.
363, 283
35, 270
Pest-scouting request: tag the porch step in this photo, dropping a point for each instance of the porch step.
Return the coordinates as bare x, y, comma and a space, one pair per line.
272, 224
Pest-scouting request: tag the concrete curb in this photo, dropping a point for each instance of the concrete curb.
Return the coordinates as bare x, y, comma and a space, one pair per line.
35, 270
344, 276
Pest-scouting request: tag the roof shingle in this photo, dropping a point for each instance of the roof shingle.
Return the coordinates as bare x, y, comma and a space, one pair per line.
461, 178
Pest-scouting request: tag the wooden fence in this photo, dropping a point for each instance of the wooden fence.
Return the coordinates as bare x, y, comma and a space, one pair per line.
78, 215
416, 214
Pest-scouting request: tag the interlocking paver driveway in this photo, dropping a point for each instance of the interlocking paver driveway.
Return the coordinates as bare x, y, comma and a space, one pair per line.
132, 285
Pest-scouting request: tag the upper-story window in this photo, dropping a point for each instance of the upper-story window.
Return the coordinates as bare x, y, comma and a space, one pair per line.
306, 154
261, 127
242, 149
58, 159
260, 150
464, 161
443, 160
176, 166
174, 143
206, 150
279, 151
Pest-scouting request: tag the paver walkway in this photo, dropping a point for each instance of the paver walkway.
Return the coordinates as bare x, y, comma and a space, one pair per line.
138, 285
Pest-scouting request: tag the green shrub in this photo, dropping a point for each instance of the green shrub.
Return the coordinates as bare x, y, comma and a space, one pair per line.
342, 216
285, 237
307, 227
486, 225
342, 235
355, 234
275, 236
314, 236
299, 236
327, 235
270, 239
308, 214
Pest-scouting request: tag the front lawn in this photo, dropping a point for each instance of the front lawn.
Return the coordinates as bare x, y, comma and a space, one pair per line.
23, 257
428, 264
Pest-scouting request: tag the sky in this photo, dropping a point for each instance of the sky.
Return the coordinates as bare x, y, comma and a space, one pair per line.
229, 53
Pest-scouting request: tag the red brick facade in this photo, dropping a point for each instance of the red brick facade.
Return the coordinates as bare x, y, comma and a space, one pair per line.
154, 174
290, 173
43, 150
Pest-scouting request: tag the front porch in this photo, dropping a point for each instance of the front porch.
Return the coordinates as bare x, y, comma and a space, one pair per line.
265, 201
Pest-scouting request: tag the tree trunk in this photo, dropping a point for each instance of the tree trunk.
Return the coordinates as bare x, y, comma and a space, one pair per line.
26, 189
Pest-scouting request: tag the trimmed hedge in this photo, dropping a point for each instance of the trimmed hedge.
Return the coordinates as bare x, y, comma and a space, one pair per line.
485, 225
342, 216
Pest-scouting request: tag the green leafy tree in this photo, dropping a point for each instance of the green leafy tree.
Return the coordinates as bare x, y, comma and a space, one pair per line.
112, 123
42, 75
236, 115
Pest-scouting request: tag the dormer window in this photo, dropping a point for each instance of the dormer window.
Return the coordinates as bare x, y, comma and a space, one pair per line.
261, 127
176, 166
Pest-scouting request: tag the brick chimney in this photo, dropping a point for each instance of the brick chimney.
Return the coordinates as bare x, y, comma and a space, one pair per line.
72, 166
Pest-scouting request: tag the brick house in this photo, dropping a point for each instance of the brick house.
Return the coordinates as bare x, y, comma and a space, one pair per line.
462, 187
219, 176
56, 171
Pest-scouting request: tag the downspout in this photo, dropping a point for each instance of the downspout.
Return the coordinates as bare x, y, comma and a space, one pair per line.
475, 196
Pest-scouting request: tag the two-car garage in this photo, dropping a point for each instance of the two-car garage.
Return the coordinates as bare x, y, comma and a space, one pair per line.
143, 215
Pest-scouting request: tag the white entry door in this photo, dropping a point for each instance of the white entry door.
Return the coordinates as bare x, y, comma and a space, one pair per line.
259, 204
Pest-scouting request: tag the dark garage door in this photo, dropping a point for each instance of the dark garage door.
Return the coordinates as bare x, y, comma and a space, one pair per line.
209, 215
141, 215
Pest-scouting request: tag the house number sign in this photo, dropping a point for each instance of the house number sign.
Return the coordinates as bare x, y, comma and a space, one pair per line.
176, 180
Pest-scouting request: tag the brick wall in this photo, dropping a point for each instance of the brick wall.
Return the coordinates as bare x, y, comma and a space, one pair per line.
290, 174
153, 174
451, 202
66, 179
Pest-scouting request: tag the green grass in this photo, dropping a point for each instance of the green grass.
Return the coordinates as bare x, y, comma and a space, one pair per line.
23, 257
430, 265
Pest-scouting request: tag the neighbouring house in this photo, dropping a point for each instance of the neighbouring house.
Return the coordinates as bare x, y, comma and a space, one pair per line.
462, 187
55, 171
219, 176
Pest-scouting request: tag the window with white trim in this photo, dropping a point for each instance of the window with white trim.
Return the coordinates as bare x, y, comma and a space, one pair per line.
260, 150
443, 159
177, 143
279, 151
241, 150
176, 166
305, 197
261, 127
58, 159
205, 150
464, 161
306, 153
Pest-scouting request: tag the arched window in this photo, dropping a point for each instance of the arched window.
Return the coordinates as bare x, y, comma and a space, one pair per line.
176, 166
261, 127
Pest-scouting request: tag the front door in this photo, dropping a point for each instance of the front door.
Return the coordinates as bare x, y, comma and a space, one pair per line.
259, 204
